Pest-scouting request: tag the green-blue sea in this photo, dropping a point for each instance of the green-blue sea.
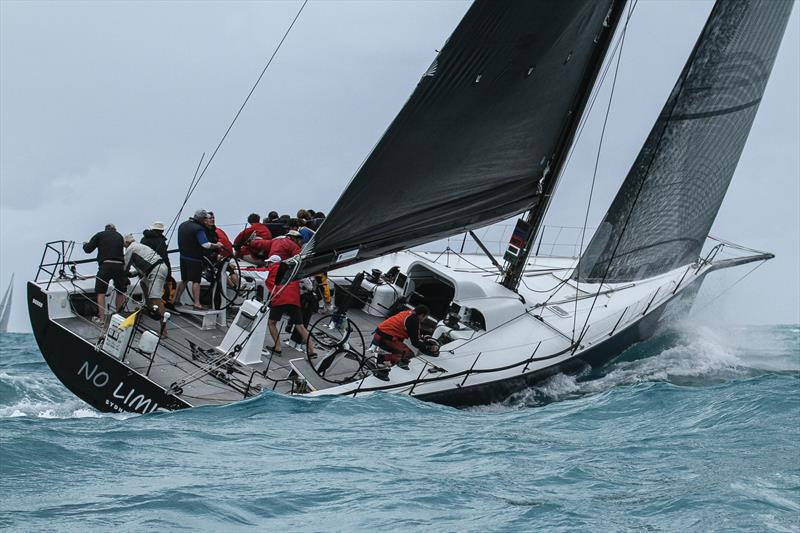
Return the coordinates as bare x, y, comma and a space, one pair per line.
697, 429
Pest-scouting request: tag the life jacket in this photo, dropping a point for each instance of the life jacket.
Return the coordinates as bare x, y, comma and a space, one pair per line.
395, 326
156, 240
288, 294
187, 239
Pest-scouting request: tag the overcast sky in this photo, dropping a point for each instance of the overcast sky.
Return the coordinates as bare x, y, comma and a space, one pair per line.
106, 107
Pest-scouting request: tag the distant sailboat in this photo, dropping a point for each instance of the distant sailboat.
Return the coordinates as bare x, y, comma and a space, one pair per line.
5, 306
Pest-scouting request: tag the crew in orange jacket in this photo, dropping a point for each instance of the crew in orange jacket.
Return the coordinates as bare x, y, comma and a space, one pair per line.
391, 333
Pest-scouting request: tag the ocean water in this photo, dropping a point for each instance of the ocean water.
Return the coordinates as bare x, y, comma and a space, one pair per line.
697, 429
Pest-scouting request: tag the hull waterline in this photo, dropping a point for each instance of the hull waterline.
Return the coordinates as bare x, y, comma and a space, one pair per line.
110, 386
596, 356
95, 377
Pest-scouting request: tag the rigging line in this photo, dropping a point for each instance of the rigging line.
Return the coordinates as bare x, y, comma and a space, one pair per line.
196, 182
682, 83
247, 98
558, 287
173, 224
735, 283
594, 175
734, 245
551, 290
585, 118
461, 256
233, 353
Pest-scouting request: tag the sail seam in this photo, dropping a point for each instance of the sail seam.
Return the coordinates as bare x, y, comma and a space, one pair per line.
707, 114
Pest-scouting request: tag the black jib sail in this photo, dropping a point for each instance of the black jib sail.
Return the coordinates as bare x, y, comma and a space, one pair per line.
487, 122
664, 209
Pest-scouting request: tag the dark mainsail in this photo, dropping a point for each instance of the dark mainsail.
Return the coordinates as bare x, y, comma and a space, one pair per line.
664, 209
487, 122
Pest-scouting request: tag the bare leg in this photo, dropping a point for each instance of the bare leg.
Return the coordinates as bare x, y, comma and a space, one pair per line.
158, 302
196, 294
120, 302
179, 292
301, 329
276, 337
101, 306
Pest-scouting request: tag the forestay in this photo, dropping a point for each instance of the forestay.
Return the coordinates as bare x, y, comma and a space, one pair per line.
664, 210
484, 126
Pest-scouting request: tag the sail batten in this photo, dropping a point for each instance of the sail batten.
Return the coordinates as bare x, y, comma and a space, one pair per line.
482, 128
666, 206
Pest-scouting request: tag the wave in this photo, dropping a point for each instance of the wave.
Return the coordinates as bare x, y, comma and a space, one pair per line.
29, 389
683, 355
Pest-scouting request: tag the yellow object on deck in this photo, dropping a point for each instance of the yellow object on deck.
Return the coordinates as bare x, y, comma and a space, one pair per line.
128, 322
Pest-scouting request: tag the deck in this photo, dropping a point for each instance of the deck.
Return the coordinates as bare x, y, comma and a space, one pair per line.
207, 376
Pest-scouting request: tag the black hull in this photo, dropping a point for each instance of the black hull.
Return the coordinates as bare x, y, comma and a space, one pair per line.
598, 355
92, 375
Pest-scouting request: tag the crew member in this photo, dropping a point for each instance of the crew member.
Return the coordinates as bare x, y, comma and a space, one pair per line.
253, 243
153, 272
275, 224
305, 230
193, 243
221, 236
287, 246
319, 218
110, 258
393, 331
155, 239
285, 299
217, 258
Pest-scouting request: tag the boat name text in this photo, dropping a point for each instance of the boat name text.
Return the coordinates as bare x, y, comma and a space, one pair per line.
125, 395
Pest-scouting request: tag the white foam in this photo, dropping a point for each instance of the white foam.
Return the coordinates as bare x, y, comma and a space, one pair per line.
51, 409
699, 352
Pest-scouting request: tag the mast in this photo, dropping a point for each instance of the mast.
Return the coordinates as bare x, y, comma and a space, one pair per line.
551, 176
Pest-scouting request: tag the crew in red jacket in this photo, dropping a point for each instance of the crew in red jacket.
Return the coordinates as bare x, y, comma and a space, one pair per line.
254, 242
286, 246
221, 254
222, 237
285, 299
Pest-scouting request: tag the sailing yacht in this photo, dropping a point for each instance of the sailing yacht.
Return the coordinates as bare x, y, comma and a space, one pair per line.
5, 306
484, 137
